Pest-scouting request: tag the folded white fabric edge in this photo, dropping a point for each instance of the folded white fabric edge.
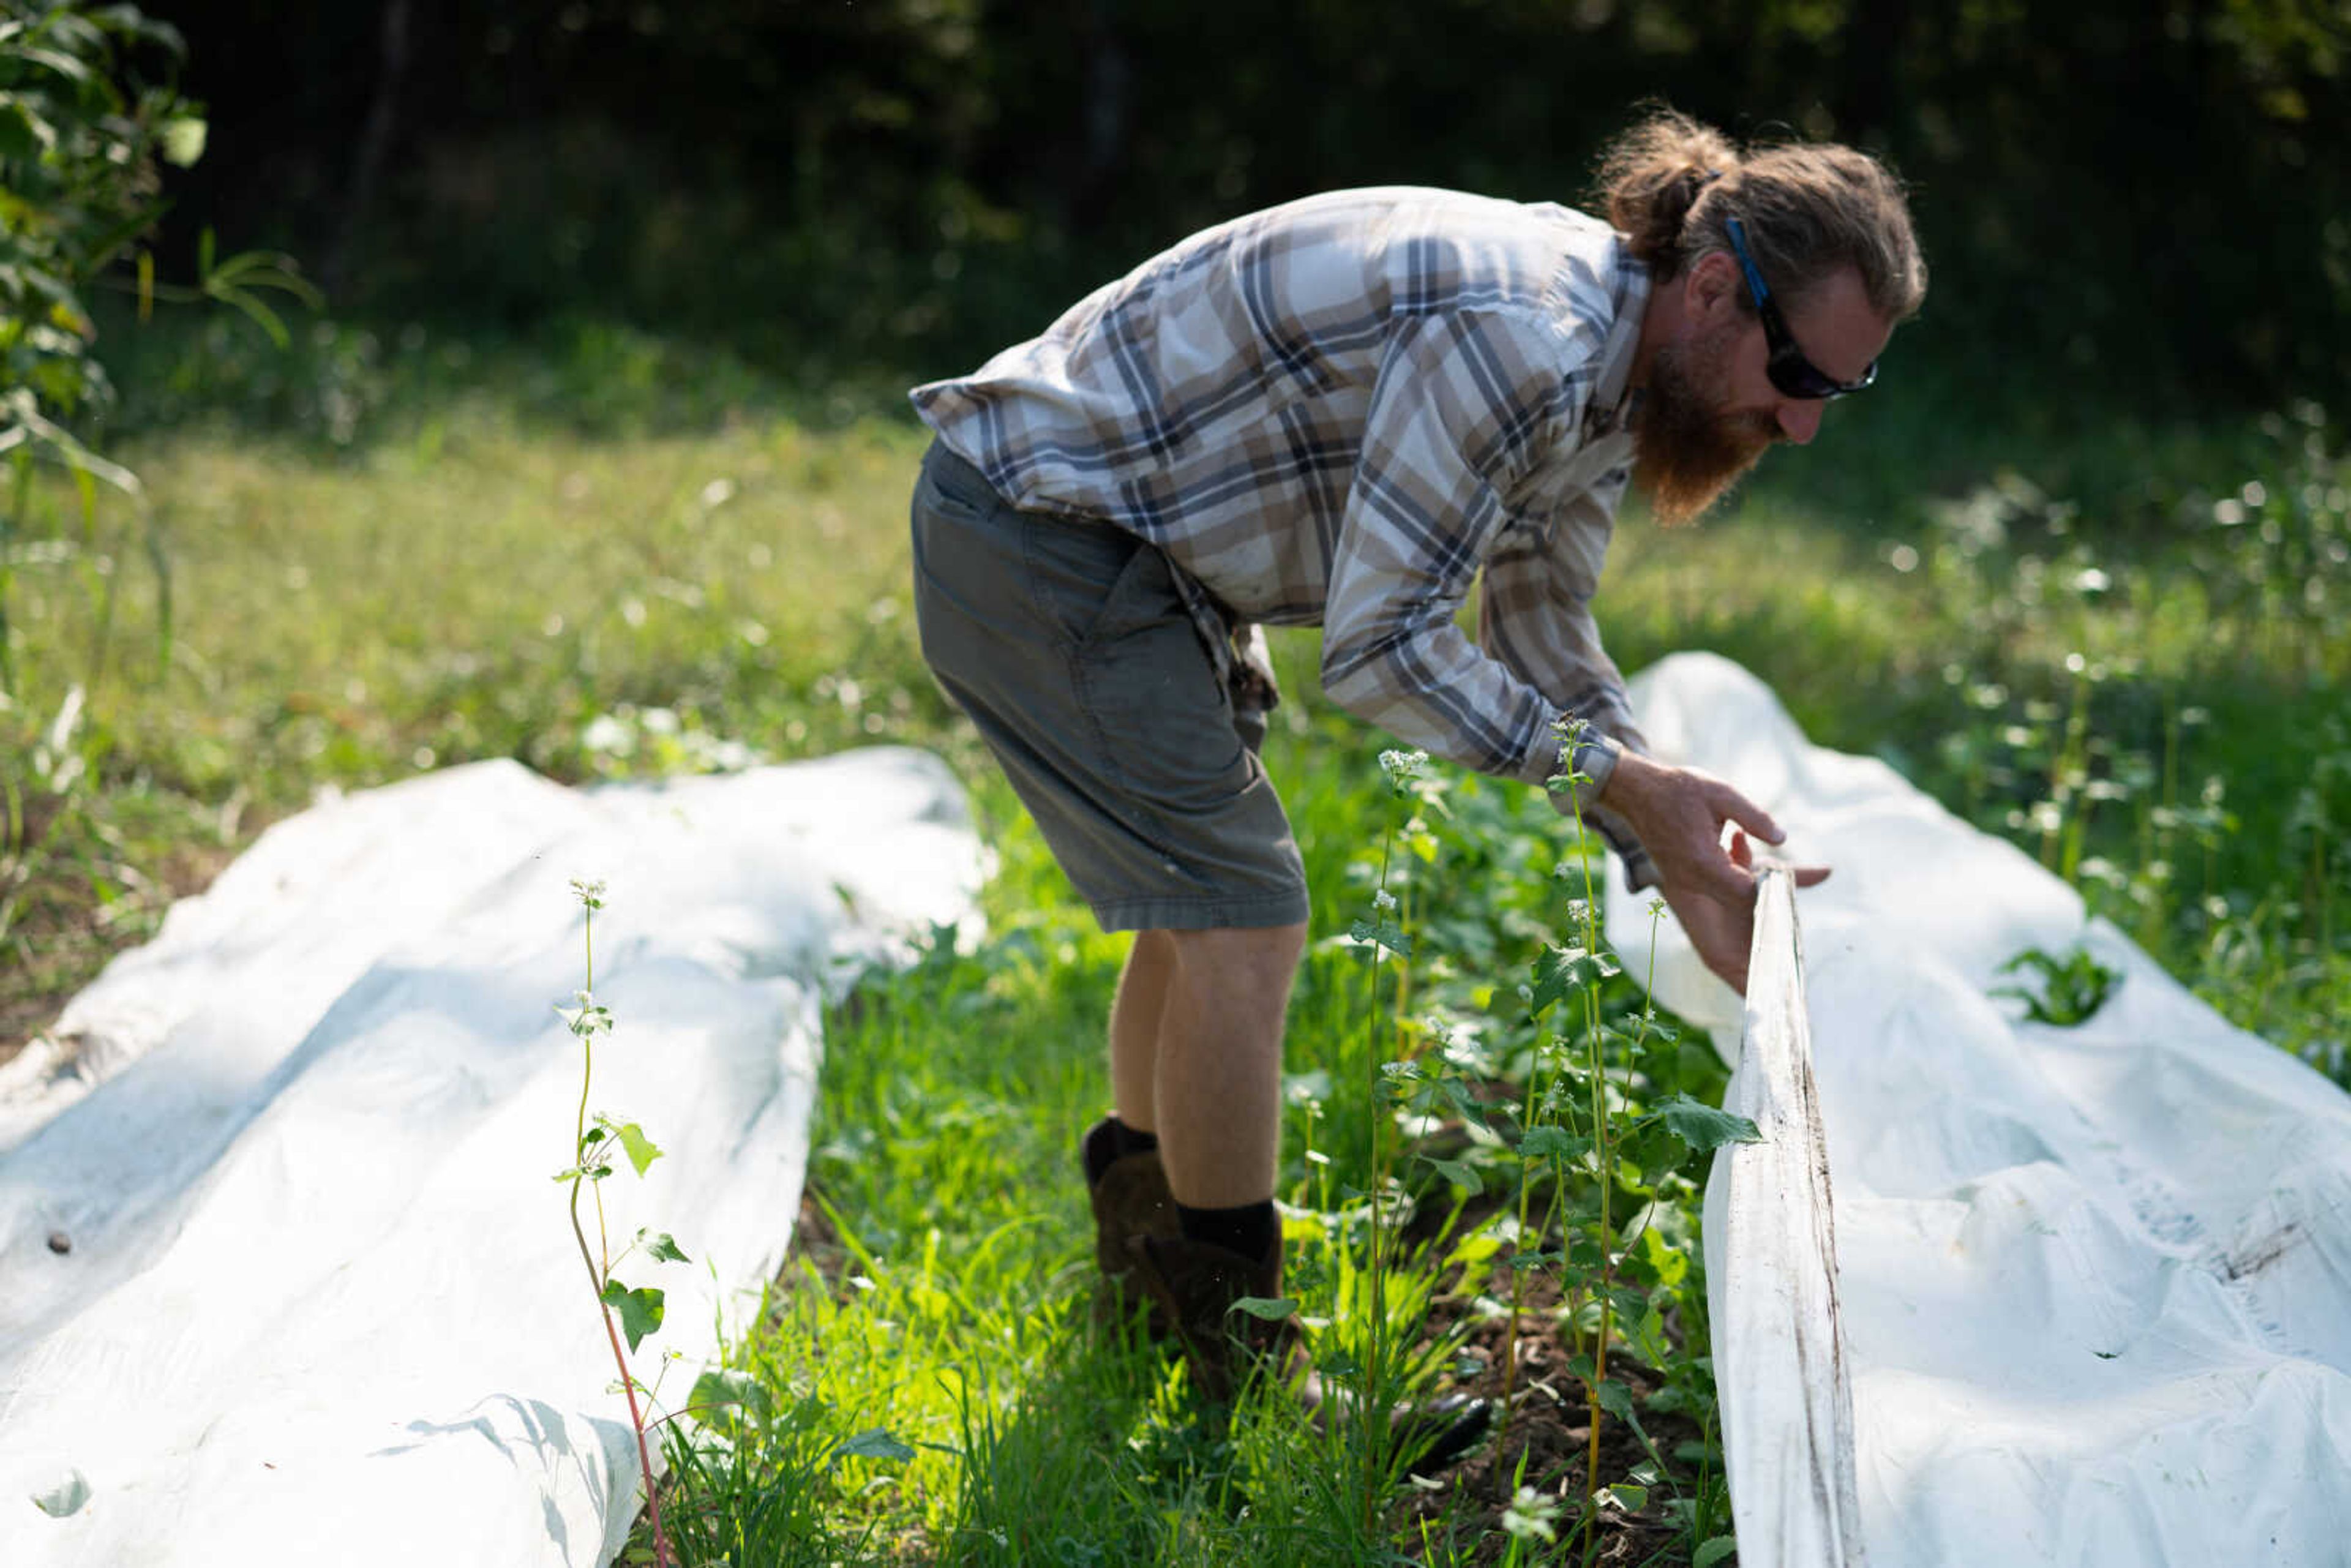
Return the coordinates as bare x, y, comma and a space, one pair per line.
1771, 1279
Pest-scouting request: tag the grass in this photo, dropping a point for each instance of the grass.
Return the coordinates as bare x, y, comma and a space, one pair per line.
934, 1345
611, 557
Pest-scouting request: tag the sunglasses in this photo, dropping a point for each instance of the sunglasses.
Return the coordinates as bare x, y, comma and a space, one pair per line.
1793, 374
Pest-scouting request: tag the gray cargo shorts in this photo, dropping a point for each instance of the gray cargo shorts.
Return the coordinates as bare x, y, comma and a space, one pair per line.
1067, 645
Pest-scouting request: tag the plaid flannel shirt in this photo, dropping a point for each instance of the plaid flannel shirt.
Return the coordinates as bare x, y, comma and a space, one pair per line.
1339, 411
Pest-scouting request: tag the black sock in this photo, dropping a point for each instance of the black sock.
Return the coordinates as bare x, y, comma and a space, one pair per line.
1111, 1139
1251, 1230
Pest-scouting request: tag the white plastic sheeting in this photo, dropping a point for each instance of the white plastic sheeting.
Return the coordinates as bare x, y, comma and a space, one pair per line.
321, 1302
2095, 1282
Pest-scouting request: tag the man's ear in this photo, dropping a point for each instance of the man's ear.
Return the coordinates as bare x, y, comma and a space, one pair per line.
1711, 286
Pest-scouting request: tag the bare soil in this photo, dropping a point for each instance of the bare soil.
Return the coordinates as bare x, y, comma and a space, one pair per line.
1548, 1432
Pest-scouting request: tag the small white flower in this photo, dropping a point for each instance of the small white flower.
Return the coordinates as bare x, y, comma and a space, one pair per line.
1383, 900
1532, 1513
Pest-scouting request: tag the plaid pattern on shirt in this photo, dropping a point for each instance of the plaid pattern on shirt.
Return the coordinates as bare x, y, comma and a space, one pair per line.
1338, 411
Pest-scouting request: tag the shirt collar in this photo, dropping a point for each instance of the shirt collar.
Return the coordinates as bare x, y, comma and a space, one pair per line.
1631, 295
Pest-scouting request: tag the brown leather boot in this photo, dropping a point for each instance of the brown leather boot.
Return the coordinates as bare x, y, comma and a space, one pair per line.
1130, 1199
1197, 1283
1194, 1285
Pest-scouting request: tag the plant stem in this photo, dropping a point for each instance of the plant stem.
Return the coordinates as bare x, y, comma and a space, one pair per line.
1375, 1397
1605, 1171
596, 1276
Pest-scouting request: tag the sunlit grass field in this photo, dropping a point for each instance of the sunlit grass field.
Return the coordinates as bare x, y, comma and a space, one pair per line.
634, 559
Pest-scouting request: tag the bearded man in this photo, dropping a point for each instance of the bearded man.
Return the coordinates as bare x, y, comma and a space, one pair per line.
1340, 411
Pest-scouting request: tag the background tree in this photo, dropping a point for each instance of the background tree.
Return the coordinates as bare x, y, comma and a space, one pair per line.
2143, 193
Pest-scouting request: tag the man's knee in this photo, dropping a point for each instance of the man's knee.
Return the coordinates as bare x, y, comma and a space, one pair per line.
1155, 948
1263, 953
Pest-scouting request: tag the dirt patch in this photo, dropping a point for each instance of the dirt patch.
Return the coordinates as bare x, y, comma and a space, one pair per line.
1546, 1444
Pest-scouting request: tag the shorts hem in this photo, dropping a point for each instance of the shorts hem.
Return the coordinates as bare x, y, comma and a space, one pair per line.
1204, 913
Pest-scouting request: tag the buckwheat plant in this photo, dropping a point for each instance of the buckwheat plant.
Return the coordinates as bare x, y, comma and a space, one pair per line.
640, 1309
1670, 1129
1383, 934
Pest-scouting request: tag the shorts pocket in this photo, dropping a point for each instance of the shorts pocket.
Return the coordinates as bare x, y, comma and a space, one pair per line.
1083, 574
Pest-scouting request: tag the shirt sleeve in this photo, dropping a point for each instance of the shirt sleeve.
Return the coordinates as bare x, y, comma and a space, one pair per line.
1534, 616
1465, 405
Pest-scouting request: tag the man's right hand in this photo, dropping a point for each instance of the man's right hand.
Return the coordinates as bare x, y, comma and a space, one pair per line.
1679, 814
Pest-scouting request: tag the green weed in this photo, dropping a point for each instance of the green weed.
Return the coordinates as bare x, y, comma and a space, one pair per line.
640, 1308
2073, 989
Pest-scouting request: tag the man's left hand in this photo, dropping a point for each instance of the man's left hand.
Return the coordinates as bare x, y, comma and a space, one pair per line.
1722, 928
1680, 815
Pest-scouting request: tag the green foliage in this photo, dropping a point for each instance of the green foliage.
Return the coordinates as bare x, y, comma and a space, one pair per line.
640, 1308
77, 187
1701, 1126
913, 184
81, 132
2073, 987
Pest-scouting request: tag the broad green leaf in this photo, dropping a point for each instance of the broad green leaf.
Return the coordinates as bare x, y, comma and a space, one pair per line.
1714, 1552
1701, 1126
1384, 932
873, 1443
1563, 971
1670, 1262
1272, 1309
1630, 1303
725, 1389
662, 1248
1456, 1095
640, 1310
1460, 1172
641, 1150
1617, 1400
1549, 1142
1630, 1497
1648, 1340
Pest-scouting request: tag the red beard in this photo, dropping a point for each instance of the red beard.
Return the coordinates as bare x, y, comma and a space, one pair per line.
1685, 453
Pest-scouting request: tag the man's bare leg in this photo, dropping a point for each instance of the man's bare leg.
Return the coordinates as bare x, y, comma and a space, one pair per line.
1216, 1088
1134, 1023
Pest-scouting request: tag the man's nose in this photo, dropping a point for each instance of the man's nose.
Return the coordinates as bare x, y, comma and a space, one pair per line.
1800, 419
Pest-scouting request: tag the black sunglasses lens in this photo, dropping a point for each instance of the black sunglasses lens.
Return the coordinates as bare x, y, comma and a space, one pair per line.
1797, 376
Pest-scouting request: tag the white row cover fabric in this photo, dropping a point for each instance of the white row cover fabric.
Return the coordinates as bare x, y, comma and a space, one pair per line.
2095, 1281
1778, 1345
319, 1300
